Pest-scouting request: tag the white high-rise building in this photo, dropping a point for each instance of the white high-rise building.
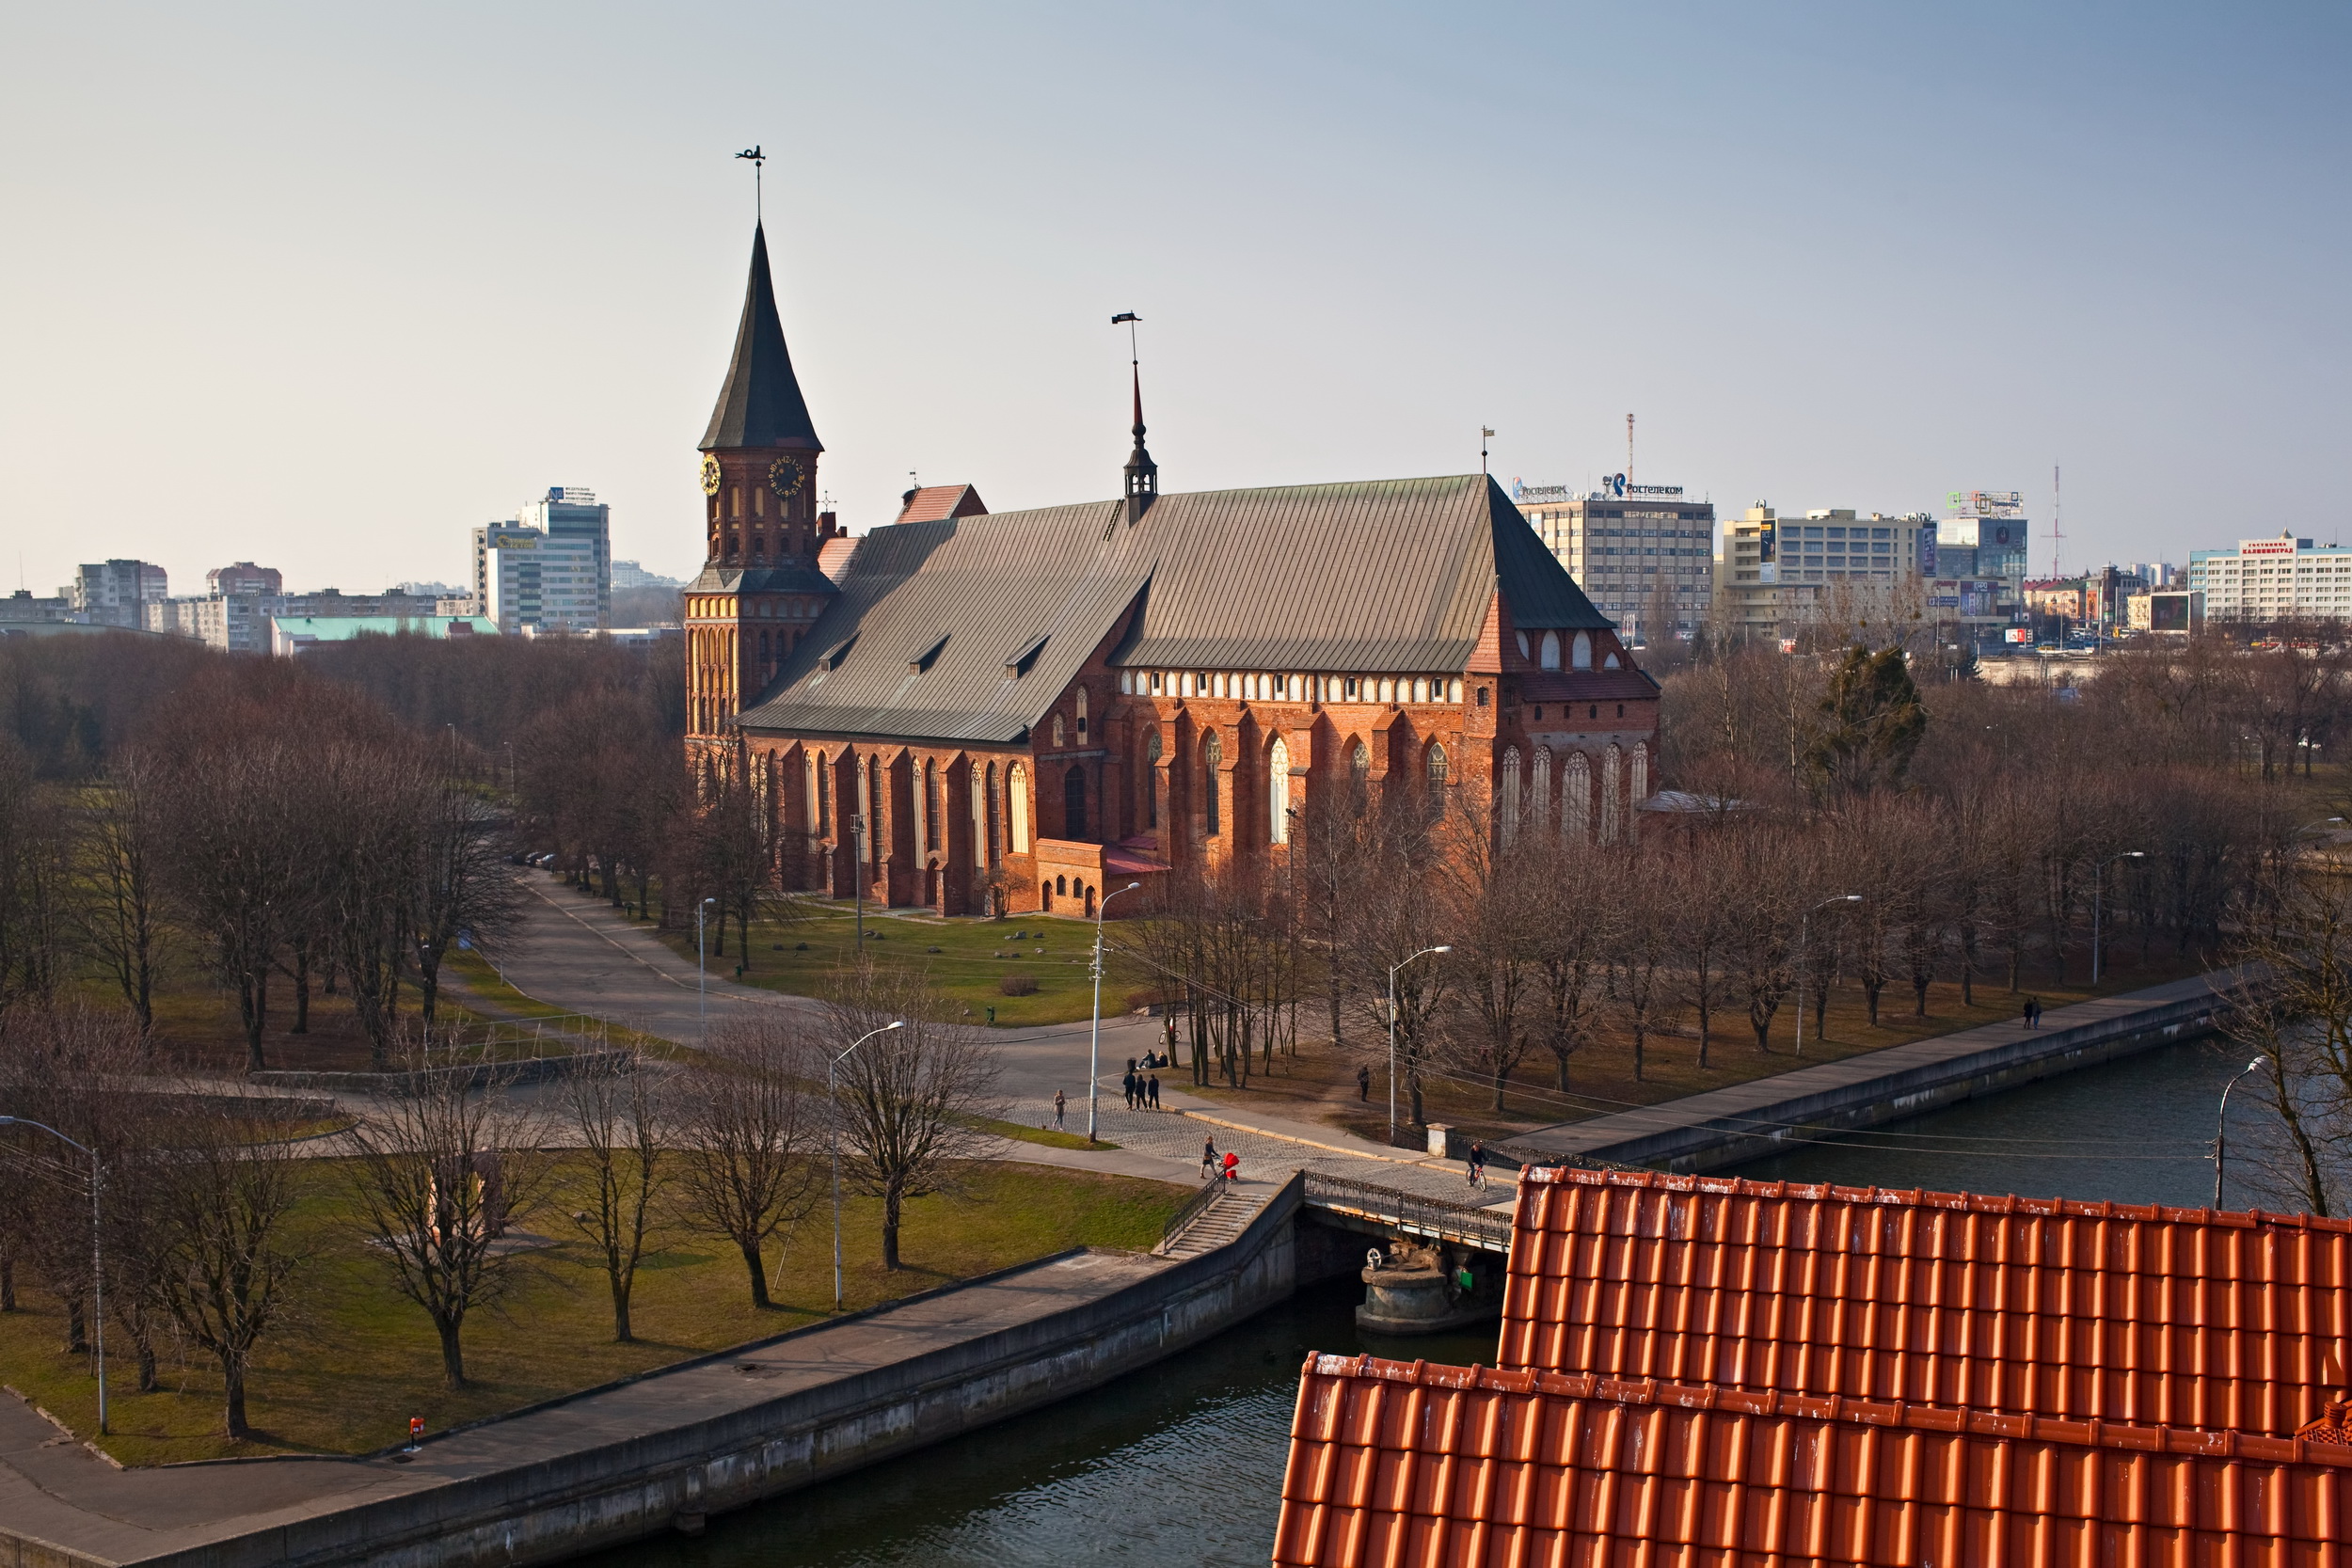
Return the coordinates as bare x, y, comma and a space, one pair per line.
2279, 578
541, 582
1627, 546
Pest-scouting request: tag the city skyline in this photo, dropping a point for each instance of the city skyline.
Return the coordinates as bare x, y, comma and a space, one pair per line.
1837, 259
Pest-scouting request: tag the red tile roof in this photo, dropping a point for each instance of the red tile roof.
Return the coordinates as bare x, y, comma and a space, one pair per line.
935, 503
2179, 1316
1437, 1466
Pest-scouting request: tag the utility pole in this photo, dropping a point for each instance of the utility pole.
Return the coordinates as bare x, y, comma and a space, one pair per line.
2055, 536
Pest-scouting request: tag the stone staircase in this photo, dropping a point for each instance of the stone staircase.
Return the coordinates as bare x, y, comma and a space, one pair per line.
1221, 1222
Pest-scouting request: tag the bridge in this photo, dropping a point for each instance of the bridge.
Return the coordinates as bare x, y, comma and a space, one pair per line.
1218, 1213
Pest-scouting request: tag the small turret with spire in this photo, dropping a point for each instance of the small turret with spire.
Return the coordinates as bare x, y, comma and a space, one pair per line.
1143, 475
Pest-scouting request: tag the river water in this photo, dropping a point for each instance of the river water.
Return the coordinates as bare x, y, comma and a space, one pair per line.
1180, 1463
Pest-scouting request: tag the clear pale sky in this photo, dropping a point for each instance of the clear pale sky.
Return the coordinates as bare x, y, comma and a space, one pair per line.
321, 287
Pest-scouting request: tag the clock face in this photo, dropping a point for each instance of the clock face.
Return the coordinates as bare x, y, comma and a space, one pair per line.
785, 476
710, 476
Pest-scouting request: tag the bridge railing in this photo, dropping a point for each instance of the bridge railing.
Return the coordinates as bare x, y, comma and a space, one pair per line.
1431, 1218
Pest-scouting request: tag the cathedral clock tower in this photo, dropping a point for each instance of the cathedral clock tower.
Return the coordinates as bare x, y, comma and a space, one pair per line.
760, 588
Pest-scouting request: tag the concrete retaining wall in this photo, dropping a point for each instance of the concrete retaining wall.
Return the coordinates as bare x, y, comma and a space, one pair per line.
1764, 1130
659, 1481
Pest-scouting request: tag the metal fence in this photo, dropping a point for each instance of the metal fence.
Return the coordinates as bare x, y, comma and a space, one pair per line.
1195, 1205
1434, 1218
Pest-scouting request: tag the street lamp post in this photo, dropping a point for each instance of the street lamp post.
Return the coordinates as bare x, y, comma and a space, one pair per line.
97, 1258
1095, 1037
2221, 1126
1803, 935
833, 1107
1392, 969
701, 969
2098, 888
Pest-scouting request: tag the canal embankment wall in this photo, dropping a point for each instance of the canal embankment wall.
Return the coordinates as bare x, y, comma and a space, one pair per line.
722, 1447
1750, 1121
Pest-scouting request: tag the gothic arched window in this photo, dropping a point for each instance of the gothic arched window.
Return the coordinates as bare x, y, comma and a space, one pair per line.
1576, 799
1277, 766
1017, 785
1550, 659
1060, 736
1211, 758
1360, 763
1152, 779
1507, 806
1437, 772
1611, 767
1082, 715
1581, 653
1539, 793
934, 827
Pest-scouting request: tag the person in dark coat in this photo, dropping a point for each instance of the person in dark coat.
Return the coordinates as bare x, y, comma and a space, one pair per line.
1128, 1084
1152, 1098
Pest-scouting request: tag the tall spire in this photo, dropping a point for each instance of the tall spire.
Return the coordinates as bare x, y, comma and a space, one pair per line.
760, 404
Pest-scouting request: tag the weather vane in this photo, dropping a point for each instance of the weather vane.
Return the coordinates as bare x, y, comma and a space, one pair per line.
1130, 318
759, 161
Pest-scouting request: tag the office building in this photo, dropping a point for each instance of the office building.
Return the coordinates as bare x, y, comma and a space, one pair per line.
1782, 574
569, 514
2273, 579
486, 538
1625, 545
538, 582
239, 623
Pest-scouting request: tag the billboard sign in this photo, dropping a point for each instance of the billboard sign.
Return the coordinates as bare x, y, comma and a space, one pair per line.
1768, 540
2018, 634
2266, 546
1927, 552
1987, 503
1976, 599
2174, 612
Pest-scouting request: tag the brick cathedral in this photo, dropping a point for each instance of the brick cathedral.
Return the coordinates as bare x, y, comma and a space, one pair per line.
1015, 711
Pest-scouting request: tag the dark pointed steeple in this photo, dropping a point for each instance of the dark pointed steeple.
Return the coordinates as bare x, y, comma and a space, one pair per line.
1143, 475
761, 404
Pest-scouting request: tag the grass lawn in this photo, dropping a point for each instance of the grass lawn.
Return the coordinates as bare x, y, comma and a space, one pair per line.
972, 960
1319, 1084
360, 1361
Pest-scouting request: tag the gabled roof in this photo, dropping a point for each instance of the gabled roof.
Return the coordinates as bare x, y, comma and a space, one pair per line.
1394, 1464
1386, 577
760, 403
934, 502
2183, 1317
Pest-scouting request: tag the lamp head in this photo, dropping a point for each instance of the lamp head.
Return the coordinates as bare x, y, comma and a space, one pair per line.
1131, 887
1447, 948
1854, 898
895, 1023
2135, 855
8, 1121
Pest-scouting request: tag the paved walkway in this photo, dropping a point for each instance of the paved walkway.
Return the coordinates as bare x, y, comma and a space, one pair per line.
54, 1489
575, 951
1753, 1101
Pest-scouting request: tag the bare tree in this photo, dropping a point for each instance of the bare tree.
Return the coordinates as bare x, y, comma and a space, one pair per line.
462, 892
911, 1099
224, 1268
230, 823
1581, 899
121, 858
1642, 997
614, 1106
748, 1130
1495, 909
35, 877
443, 1167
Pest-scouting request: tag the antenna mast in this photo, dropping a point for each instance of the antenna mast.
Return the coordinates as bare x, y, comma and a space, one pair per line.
2056, 570
1628, 446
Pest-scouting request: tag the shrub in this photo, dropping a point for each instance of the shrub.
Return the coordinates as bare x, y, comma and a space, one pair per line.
1018, 985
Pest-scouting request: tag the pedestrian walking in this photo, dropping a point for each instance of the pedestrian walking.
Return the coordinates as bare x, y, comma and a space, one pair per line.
1155, 1097
1128, 1084
1363, 1081
1208, 1157
1233, 1167
1062, 1104
2031, 1009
